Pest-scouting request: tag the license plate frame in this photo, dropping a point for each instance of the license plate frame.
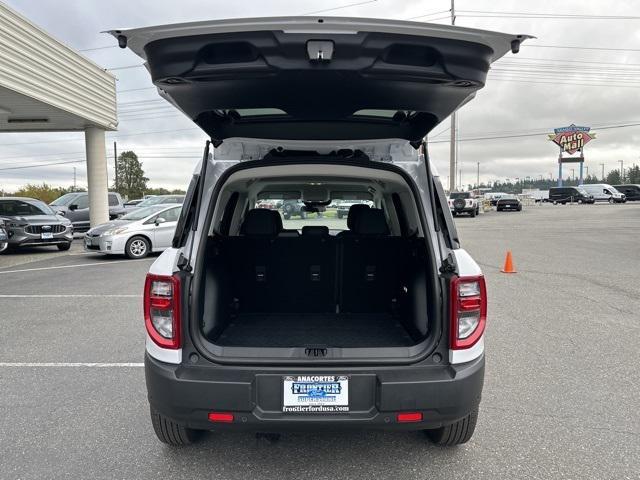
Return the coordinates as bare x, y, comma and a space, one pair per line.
46, 235
315, 394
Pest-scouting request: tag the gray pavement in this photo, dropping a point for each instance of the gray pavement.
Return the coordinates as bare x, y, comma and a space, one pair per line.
560, 399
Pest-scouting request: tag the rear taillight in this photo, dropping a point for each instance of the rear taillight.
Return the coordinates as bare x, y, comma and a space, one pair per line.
162, 310
468, 311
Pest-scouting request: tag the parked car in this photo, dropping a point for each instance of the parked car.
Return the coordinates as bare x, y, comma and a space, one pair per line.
160, 200
293, 208
135, 234
630, 191
382, 328
4, 237
133, 203
602, 192
75, 206
565, 195
32, 223
493, 197
509, 202
463, 202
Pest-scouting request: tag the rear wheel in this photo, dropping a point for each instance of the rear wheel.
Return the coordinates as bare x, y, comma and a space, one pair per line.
170, 432
610, 199
137, 247
303, 214
64, 246
473, 213
555, 203
456, 433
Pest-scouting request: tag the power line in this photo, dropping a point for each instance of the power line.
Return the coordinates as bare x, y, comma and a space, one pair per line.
573, 47
566, 16
428, 15
340, 7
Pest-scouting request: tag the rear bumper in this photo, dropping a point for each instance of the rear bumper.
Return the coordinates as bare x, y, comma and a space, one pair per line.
186, 394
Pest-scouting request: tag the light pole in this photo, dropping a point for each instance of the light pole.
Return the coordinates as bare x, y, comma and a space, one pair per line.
602, 165
586, 167
478, 176
621, 170
573, 174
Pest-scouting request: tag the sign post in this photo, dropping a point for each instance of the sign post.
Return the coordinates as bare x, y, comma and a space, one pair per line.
571, 139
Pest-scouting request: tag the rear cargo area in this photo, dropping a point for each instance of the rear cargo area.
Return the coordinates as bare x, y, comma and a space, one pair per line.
315, 290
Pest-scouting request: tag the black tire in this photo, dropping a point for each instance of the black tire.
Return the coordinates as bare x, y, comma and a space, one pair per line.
170, 432
473, 213
286, 215
611, 200
555, 203
64, 246
303, 214
137, 247
339, 215
520, 208
456, 433
564, 203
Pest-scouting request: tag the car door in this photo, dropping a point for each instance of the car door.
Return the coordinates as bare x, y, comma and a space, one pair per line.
163, 231
79, 216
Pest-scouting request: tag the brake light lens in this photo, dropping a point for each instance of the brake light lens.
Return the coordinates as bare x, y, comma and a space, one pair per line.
409, 417
220, 417
468, 311
162, 310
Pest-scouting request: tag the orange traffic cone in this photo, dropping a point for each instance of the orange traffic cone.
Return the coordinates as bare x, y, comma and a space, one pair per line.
508, 264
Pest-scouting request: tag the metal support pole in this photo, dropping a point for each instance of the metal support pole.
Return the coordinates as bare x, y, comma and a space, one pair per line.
97, 176
560, 170
621, 171
581, 171
602, 165
115, 163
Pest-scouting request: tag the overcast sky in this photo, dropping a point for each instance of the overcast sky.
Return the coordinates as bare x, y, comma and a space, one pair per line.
532, 92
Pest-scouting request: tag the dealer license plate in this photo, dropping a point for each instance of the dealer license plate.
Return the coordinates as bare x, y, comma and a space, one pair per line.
46, 235
316, 394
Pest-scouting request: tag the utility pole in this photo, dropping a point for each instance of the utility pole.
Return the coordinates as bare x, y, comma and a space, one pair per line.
452, 148
115, 163
621, 170
478, 177
74, 179
586, 167
602, 165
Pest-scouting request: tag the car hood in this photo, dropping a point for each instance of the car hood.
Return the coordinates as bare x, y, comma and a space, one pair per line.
36, 219
108, 226
317, 78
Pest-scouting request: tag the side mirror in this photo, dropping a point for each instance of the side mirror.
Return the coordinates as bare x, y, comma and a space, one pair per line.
60, 212
160, 220
73, 207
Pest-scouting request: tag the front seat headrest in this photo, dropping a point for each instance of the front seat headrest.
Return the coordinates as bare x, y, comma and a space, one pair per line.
354, 212
261, 222
372, 222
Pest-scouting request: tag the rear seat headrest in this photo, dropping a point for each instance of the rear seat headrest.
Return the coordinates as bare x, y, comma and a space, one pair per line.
262, 222
371, 222
315, 231
354, 212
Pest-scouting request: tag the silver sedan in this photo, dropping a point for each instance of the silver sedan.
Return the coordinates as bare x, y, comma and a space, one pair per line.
136, 234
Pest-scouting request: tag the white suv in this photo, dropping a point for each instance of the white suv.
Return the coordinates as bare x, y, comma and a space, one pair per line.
264, 323
463, 202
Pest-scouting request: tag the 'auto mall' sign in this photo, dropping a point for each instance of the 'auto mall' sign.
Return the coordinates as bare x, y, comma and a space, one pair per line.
572, 138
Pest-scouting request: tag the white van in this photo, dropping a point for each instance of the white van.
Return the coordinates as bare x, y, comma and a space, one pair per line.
603, 192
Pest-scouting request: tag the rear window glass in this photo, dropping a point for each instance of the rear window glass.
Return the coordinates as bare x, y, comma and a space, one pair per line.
455, 195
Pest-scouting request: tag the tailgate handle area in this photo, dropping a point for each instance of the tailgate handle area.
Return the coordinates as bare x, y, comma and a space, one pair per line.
320, 50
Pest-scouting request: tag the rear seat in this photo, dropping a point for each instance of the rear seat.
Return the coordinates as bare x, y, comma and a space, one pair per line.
372, 263
315, 272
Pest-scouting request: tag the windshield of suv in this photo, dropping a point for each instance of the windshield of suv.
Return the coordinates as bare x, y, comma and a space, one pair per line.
141, 213
16, 208
455, 195
64, 200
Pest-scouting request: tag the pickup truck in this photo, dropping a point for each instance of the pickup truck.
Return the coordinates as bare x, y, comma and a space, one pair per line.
75, 206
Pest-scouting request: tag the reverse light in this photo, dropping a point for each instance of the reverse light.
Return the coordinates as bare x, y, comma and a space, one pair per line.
468, 311
162, 310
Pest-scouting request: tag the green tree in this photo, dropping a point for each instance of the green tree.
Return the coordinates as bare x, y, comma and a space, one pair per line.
633, 175
43, 192
131, 180
613, 178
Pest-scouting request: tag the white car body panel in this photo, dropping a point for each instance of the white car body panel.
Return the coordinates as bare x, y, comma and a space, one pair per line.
137, 38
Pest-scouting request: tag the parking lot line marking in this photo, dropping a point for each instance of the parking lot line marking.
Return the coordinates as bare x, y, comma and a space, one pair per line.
79, 295
71, 266
71, 364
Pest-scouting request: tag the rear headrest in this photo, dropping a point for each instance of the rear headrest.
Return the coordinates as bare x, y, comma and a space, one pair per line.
354, 212
315, 231
371, 222
261, 222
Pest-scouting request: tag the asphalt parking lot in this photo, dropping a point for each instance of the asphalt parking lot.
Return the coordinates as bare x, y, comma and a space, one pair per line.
561, 394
